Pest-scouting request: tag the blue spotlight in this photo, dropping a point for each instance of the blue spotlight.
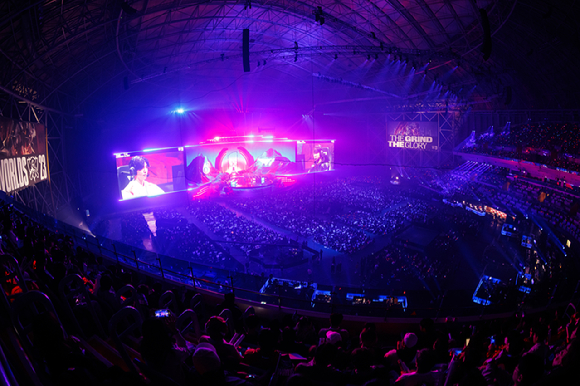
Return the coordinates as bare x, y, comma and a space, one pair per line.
180, 110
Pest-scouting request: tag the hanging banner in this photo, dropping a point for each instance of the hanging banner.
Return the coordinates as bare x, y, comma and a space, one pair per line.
23, 159
412, 135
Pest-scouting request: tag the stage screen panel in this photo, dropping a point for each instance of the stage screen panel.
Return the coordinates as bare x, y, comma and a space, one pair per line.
412, 135
205, 162
23, 159
148, 174
317, 156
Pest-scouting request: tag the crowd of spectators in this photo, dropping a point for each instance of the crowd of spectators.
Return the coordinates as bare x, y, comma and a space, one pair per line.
228, 345
134, 228
233, 227
539, 348
551, 144
296, 212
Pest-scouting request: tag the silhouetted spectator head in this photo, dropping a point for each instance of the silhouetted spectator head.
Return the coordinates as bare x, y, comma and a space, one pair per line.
252, 322
216, 327
362, 358
529, 370
267, 340
336, 320
229, 298
288, 335
143, 289
410, 340
368, 337
333, 337
106, 282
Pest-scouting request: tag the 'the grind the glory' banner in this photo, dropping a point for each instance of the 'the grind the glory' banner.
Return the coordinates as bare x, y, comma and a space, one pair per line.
412, 135
23, 160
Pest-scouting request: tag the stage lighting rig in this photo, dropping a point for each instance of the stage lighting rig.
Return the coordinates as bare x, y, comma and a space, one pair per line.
247, 5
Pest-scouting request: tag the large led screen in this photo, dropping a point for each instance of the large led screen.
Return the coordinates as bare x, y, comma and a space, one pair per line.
205, 162
317, 156
412, 135
148, 174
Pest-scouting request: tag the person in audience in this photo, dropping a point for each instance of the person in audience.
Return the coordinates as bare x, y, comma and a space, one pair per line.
423, 375
565, 366
229, 304
266, 356
161, 351
335, 321
216, 329
209, 368
540, 348
427, 334
106, 294
252, 328
363, 368
320, 370
529, 370
305, 332
66, 360
405, 351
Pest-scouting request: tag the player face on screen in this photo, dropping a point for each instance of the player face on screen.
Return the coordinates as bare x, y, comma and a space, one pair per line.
141, 175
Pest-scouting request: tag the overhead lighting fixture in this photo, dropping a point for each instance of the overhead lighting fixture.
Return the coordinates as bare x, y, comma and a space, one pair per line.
180, 110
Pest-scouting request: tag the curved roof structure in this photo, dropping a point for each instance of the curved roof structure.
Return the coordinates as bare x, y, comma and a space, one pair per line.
399, 54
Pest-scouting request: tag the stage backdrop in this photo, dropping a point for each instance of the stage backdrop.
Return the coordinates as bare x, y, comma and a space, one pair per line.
23, 159
412, 135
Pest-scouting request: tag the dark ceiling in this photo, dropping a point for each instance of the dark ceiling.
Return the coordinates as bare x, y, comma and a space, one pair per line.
393, 53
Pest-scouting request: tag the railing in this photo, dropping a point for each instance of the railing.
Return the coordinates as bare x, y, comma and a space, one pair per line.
245, 286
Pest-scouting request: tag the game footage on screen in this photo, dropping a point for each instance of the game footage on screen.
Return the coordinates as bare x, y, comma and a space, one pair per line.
148, 175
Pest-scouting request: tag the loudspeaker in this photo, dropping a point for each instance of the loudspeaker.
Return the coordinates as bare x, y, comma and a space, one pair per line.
486, 46
246, 50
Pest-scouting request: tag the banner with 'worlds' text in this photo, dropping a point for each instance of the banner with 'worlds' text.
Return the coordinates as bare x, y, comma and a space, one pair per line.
23, 159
